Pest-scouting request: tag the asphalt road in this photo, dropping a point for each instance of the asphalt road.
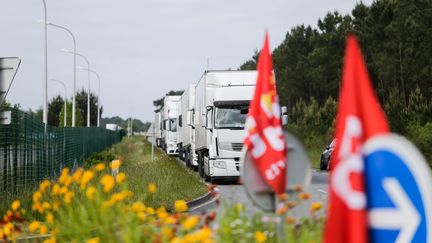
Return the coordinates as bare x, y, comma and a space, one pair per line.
230, 194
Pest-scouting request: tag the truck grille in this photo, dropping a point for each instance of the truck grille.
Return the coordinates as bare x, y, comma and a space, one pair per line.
237, 146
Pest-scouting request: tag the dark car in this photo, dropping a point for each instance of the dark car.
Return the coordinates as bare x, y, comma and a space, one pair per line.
326, 155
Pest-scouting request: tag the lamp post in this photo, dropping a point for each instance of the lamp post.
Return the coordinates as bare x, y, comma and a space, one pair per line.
65, 107
98, 100
74, 52
88, 79
45, 86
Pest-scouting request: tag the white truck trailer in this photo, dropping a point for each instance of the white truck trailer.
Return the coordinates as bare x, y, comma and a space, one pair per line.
169, 124
185, 132
221, 106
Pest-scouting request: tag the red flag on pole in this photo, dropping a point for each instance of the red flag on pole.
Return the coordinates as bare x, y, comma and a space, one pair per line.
265, 140
359, 118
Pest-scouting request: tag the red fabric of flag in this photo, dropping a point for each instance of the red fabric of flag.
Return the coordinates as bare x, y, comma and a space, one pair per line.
265, 139
359, 118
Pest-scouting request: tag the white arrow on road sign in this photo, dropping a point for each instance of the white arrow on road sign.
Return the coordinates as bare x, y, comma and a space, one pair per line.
404, 217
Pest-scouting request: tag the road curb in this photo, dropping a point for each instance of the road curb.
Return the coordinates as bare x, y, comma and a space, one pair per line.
205, 199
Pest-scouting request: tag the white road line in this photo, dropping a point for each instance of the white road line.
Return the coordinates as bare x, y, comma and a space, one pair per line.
322, 191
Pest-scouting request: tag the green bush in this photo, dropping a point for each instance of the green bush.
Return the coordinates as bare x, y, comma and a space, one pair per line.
105, 157
421, 136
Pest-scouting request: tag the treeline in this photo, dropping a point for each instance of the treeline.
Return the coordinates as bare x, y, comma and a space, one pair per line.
396, 40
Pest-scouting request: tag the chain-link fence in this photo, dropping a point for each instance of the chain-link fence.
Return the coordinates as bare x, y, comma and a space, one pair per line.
29, 154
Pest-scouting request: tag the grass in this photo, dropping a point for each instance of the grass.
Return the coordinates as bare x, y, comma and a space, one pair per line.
173, 181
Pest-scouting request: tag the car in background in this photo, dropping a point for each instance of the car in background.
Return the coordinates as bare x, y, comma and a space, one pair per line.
326, 155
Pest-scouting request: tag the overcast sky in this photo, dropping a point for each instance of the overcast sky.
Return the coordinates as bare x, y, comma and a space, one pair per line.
143, 48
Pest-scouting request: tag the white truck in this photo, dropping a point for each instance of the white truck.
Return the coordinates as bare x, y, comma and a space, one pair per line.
157, 124
221, 106
185, 132
169, 124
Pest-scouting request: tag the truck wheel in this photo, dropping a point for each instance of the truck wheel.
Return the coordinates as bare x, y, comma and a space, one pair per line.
187, 158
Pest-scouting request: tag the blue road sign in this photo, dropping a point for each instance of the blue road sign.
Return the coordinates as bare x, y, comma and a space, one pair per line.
399, 186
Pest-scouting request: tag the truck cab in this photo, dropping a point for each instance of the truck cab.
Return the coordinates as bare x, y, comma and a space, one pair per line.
169, 125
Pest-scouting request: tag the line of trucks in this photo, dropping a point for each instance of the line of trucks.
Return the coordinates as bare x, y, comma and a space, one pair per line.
205, 125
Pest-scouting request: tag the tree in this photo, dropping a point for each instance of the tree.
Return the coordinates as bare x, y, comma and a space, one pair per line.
54, 108
159, 102
79, 121
81, 103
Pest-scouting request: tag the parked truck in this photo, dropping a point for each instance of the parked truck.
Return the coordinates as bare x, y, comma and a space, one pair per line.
185, 132
157, 124
219, 114
169, 124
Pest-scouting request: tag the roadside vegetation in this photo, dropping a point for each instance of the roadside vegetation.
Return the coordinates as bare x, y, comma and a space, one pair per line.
91, 205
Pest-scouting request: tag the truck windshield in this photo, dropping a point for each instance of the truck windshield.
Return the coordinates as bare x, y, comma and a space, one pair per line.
232, 117
173, 124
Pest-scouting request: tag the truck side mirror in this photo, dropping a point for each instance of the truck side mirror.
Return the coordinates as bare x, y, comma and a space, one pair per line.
208, 117
189, 118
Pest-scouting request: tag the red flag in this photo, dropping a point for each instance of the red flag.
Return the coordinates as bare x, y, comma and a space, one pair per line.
265, 140
359, 118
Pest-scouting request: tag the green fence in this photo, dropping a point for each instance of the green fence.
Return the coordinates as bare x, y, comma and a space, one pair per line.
29, 154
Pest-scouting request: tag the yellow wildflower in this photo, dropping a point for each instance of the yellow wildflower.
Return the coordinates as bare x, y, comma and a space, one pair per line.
167, 232
141, 216
37, 196
55, 189
8, 229
15, 205
63, 190
180, 206
100, 167
150, 210
151, 188
120, 178
170, 220
93, 240
50, 218
260, 237
161, 213
77, 175
91, 192
86, 177
52, 239
65, 178
107, 182
44, 185
43, 230
68, 197
1, 234
46, 205
316, 206
138, 207
190, 222
203, 234
56, 205
176, 240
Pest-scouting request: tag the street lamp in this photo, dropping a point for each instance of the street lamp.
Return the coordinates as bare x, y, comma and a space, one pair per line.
45, 91
98, 100
88, 78
65, 107
74, 51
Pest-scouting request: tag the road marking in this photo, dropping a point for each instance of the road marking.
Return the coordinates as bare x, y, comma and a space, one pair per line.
322, 191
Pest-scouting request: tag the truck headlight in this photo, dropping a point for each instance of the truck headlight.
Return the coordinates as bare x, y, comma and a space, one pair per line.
219, 164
